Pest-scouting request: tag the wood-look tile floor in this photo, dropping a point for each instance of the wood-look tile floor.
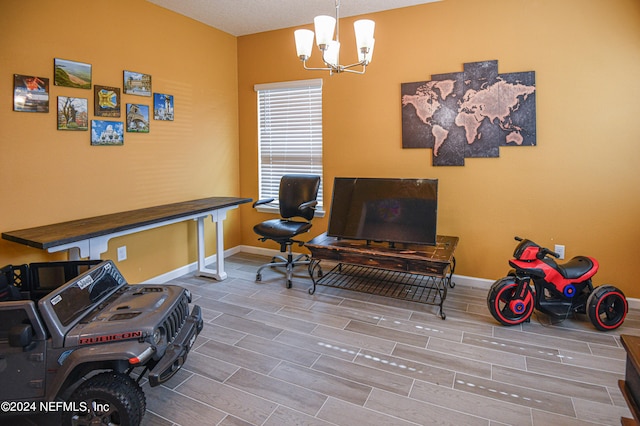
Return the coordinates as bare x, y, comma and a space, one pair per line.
273, 356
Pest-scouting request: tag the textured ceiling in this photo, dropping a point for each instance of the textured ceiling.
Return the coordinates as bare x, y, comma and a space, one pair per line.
242, 17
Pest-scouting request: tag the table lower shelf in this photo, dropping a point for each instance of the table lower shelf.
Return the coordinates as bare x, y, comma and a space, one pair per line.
419, 288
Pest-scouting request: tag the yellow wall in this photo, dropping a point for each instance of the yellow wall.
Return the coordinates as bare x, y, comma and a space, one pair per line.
577, 187
48, 176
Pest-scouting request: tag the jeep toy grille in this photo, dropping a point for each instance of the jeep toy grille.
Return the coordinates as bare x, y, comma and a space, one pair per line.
176, 318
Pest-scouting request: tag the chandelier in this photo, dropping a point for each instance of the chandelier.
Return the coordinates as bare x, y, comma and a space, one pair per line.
330, 48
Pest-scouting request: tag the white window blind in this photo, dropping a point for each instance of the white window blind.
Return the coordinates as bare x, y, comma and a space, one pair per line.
289, 133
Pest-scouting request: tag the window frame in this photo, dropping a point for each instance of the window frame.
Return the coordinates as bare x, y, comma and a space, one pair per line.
275, 100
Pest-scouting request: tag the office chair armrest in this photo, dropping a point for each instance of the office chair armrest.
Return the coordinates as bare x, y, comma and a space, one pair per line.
308, 205
264, 201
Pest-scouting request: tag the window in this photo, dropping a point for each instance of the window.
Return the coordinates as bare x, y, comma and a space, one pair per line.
289, 133
11, 316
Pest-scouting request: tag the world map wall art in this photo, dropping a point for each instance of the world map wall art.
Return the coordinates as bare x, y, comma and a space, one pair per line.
469, 114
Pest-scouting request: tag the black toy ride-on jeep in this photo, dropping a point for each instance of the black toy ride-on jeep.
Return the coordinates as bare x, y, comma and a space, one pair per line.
82, 348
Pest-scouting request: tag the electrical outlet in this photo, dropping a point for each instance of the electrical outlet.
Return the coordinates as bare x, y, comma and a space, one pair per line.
560, 250
122, 253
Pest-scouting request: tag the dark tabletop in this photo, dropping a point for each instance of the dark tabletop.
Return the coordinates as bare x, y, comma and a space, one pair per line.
44, 237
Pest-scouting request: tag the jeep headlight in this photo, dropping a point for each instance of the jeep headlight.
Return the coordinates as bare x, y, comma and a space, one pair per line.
156, 337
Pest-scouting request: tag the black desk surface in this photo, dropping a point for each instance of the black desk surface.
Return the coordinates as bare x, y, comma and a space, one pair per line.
44, 237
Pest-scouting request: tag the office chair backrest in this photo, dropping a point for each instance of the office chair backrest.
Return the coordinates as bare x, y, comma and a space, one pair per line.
295, 190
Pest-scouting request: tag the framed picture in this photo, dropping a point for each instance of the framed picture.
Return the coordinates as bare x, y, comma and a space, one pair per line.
106, 101
162, 107
107, 132
73, 113
71, 74
30, 94
137, 118
136, 83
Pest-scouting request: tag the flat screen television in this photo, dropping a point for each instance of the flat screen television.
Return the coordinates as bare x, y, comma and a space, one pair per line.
384, 210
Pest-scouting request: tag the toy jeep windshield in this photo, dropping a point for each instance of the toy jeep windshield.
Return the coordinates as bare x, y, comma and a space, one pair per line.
83, 347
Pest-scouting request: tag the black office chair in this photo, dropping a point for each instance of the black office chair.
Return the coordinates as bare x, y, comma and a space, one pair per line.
297, 199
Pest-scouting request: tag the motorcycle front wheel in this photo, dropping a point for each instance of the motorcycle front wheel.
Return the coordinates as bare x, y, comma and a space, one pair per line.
508, 307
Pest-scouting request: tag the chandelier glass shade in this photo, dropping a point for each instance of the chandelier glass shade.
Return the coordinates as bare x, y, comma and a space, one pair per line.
325, 26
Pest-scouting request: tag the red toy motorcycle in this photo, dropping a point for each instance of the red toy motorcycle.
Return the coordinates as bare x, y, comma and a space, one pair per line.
558, 289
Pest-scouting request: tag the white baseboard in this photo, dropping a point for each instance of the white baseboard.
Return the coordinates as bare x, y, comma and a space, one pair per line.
463, 280
466, 281
187, 269
262, 251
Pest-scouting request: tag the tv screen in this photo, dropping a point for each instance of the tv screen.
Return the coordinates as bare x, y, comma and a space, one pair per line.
384, 209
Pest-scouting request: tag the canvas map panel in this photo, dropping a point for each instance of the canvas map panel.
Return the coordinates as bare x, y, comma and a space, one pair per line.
469, 114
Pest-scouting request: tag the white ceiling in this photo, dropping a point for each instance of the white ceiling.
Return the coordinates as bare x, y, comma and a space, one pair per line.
242, 17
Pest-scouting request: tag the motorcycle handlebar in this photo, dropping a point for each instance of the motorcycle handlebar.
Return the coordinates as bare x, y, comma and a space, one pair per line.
543, 251
546, 251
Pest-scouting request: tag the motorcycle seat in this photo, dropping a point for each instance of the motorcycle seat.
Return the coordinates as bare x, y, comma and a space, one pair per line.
576, 267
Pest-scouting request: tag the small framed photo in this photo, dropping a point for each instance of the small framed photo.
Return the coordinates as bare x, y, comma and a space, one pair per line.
71, 74
30, 93
136, 83
106, 101
162, 107
107, 132
73, 113
137, 118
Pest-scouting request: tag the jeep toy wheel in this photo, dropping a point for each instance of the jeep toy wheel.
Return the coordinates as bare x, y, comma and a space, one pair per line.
128, 380
110, 398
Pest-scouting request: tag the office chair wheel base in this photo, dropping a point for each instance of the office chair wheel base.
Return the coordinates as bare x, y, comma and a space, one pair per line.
258, 277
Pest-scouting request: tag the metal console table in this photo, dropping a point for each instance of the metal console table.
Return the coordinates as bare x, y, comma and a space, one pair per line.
412, 272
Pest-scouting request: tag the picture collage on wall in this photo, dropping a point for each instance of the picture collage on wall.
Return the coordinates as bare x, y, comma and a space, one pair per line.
31, 94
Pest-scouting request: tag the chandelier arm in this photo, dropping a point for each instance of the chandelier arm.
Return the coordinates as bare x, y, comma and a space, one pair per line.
364, 68
335, 70
324, 60
304, 64
361, 63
